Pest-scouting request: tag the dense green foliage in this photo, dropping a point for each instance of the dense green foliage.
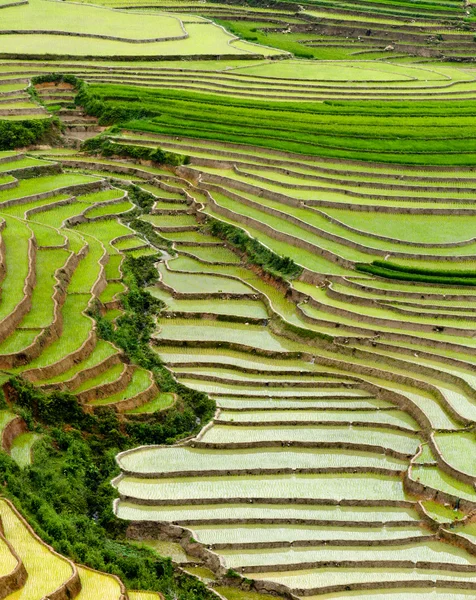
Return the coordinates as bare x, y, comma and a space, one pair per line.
282, 266
387, 131
15, 134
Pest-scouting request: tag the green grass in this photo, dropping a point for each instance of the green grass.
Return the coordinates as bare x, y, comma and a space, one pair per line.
18, 340
112, 374
5, 417
27, 187
22, 163
132, 242
103, 196
371, 131
112, 291
55, 216
22, 447
111, 209
47, 263
16, 236
113, 266
88, 269
160, 402
105, 232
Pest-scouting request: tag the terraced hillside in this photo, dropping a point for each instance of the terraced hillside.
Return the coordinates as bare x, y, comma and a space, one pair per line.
237, 308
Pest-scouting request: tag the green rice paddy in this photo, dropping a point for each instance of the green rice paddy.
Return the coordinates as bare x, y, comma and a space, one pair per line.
328, 383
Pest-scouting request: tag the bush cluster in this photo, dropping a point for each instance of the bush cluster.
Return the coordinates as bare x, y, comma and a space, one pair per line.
16, 134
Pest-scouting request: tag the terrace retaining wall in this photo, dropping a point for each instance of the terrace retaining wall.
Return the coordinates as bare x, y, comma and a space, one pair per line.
138, 400
12, 430
85, 374
420, 490
143, 530
91, 35
107, 389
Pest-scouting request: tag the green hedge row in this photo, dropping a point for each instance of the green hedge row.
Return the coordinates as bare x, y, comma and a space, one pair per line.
103, 145
281, 266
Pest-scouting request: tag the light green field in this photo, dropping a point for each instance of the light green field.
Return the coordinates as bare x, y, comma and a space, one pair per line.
112, 374
16, 236
457, 450
381, 417
160, 402
244, 308
7, 561
369, 487
401, 442
105, 232
144, 596
5, 417
76, 329
341, 576
163, 460
46, 571
22, 447
438, 480
47, 263
203, 38
312, 513
95, 585
111, 209
238, 534
250, 335
189, 283
73, 18
425, 551
101, 351
112, 291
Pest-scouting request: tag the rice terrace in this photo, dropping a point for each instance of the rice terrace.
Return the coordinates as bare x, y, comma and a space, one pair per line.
237, 300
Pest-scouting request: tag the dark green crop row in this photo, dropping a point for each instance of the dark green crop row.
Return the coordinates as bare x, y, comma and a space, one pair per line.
403, 275
423, 271
384, 132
